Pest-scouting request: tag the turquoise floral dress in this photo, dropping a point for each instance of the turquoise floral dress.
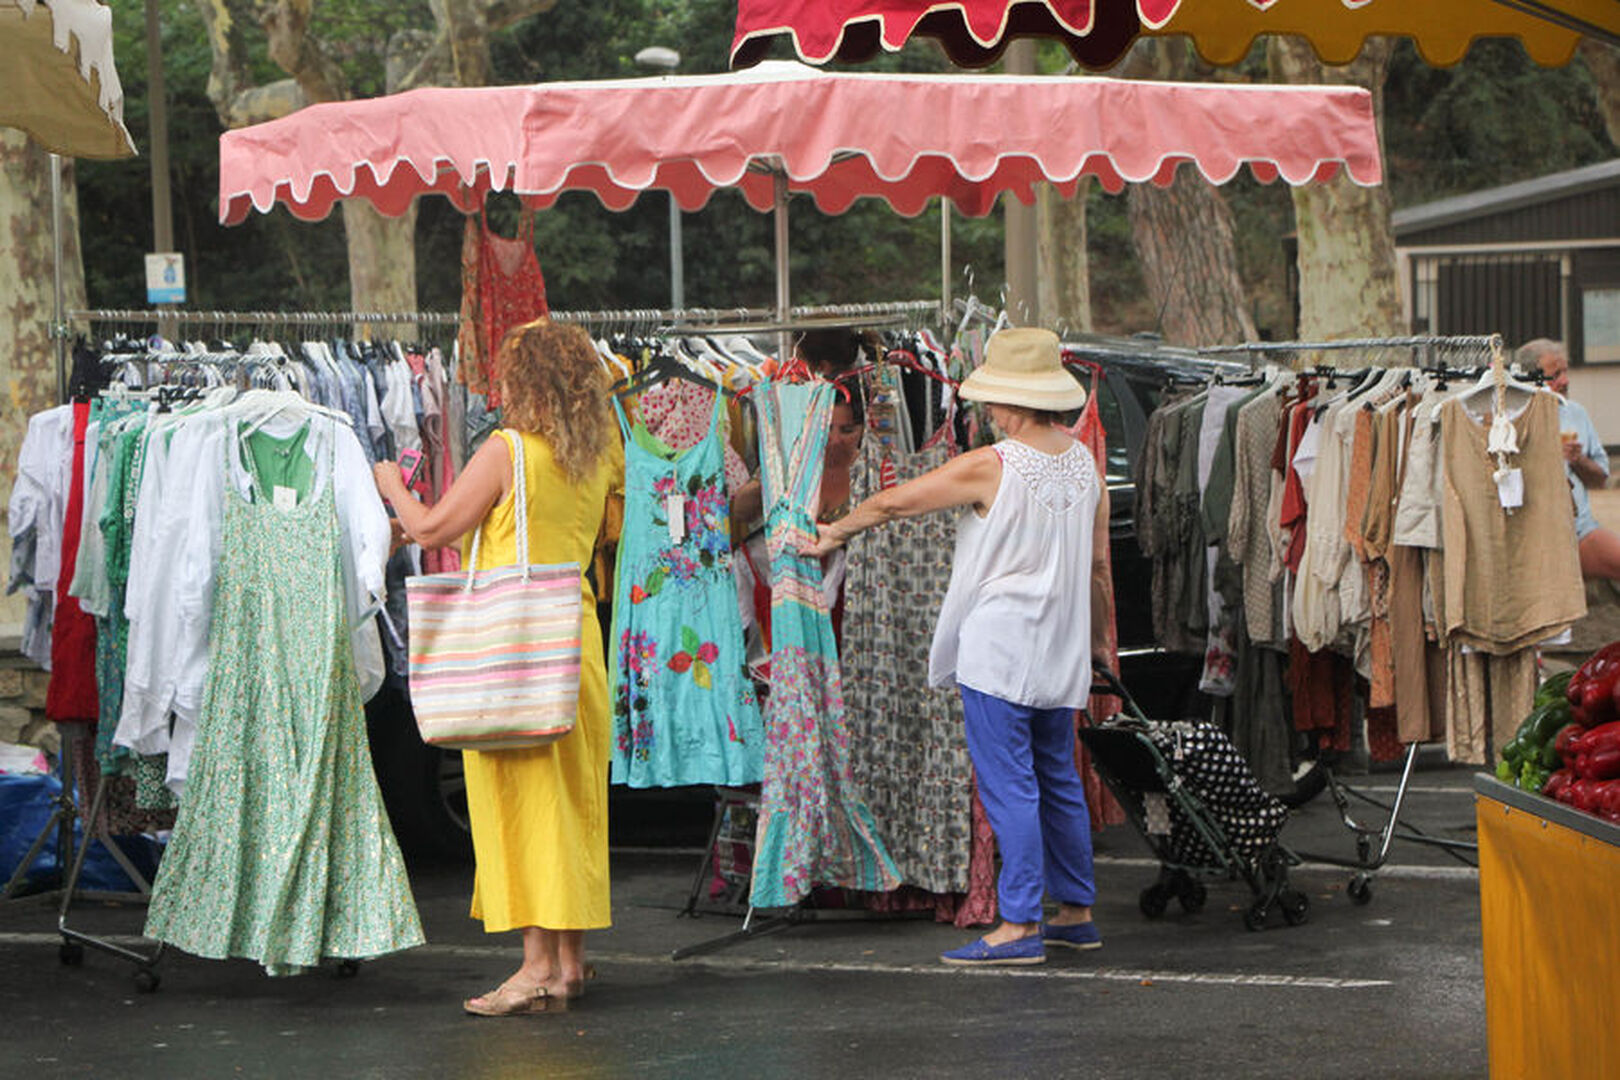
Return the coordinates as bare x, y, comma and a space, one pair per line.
684, 710
813, 829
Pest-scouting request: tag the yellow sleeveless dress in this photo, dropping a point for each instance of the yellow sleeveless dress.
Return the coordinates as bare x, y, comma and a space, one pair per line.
539, 816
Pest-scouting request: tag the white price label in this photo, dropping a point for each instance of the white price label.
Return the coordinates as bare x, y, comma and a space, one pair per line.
675, 510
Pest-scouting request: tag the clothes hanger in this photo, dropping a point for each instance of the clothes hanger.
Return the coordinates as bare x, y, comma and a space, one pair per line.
662, 366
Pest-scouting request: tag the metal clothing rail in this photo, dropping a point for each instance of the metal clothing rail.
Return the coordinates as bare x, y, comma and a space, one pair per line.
691, 320
1464, 341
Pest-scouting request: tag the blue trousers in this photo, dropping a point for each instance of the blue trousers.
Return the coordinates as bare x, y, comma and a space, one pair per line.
1036, 803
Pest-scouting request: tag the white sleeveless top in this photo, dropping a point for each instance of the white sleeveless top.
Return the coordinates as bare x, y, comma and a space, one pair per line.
1016, 621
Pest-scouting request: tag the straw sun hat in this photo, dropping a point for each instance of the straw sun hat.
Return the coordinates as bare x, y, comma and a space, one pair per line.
1024, 367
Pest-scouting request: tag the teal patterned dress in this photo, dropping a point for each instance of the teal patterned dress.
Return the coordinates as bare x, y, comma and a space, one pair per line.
813, 830
282, 852
684, 710
125, 443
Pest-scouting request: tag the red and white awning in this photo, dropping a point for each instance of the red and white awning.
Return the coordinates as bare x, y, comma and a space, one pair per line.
974, 33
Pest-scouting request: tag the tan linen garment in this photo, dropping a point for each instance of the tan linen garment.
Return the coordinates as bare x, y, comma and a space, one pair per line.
1512, 578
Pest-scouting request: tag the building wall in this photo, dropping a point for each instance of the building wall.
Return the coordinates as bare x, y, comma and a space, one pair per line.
1598, 388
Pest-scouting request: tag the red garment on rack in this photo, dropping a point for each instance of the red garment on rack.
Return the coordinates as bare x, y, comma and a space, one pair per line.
1105, 810
511, 289
506, 289
1294, 508
71, 694
1322, 684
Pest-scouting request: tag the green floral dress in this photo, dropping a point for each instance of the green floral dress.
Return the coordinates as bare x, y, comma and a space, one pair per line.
282, 852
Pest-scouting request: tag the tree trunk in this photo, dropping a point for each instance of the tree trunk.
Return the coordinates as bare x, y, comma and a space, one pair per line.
382, 263
1183, 235
1065, 282
1348, 285
1184, 241
1603, 61
27, 300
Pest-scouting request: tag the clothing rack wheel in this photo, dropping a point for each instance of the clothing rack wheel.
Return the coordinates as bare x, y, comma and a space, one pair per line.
1373, 843
71, 951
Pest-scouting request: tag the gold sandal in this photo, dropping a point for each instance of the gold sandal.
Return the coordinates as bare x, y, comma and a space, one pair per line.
509, 1000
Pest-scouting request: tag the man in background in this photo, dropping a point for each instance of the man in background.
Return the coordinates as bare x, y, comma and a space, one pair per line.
1585, 460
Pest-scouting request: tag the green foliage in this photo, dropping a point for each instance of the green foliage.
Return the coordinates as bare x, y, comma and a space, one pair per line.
1493, 119
269, 262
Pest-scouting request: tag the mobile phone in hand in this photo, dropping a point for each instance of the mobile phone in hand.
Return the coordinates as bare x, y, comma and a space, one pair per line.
410, 466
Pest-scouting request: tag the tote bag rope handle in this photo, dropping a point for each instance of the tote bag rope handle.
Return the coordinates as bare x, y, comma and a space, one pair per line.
520, 516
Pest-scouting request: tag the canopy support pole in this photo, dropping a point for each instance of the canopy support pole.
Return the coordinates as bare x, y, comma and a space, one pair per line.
58, 327
944, 259
779, 183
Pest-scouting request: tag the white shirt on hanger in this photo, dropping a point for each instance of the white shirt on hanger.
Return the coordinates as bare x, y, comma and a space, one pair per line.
174, 561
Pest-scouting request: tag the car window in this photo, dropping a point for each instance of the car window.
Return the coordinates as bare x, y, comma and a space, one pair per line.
1113, 422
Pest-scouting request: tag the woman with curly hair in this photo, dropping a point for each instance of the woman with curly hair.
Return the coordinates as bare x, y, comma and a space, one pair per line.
539, 816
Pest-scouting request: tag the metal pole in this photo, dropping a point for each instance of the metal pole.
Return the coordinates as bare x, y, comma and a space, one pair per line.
58, 330
944, 260
677, 261
162, 211
1023, 292
784, 344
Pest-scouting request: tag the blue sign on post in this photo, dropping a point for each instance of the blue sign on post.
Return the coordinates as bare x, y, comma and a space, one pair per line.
166, 278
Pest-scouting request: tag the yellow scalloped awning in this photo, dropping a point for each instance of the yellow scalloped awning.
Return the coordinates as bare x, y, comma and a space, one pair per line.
1224, 30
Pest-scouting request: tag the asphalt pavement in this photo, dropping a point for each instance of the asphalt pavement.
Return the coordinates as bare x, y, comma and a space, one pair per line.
1389, 988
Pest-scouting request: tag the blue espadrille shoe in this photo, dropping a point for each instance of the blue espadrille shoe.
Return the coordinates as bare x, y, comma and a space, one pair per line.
1075, 936
1026, 950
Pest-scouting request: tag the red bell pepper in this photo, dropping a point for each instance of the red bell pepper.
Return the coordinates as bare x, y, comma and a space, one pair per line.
1593, 688
1557, 784
1599, 764
1563, 740
1584, 794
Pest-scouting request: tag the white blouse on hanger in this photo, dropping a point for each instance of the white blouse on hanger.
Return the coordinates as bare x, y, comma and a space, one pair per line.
175, 556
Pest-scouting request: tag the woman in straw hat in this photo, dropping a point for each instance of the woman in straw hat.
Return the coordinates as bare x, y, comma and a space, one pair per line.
1013, 632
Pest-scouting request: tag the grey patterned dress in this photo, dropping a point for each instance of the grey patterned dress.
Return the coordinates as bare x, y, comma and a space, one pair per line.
282, 852
908, 753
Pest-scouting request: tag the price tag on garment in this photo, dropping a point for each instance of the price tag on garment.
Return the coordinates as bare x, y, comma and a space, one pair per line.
675, 510
1509, 487
1504, 437
283, 498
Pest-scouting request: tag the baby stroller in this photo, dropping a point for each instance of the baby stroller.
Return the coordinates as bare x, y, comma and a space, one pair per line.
1192, 797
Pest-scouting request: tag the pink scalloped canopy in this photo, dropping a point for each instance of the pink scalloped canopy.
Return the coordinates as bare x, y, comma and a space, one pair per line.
839, 137
973, 32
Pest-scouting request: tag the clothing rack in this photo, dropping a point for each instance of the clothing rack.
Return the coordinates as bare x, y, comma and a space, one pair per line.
1373, 842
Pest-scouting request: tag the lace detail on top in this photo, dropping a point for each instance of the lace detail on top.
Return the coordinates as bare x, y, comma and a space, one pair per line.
1057, 482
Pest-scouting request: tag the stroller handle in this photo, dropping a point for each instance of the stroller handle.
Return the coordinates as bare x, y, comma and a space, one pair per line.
1104, 679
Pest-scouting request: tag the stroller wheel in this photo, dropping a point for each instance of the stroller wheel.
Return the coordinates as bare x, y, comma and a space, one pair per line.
1360, 889
1193, 895
1254, 916
1296, 906
1153, 901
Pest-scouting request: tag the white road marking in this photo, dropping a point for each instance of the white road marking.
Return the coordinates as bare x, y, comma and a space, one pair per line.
1412, 789
1123, 975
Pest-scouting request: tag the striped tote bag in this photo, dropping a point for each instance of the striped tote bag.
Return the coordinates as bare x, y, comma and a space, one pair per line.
494, 654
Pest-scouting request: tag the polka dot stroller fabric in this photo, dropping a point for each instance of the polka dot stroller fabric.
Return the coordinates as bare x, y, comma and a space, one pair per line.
1212, 770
